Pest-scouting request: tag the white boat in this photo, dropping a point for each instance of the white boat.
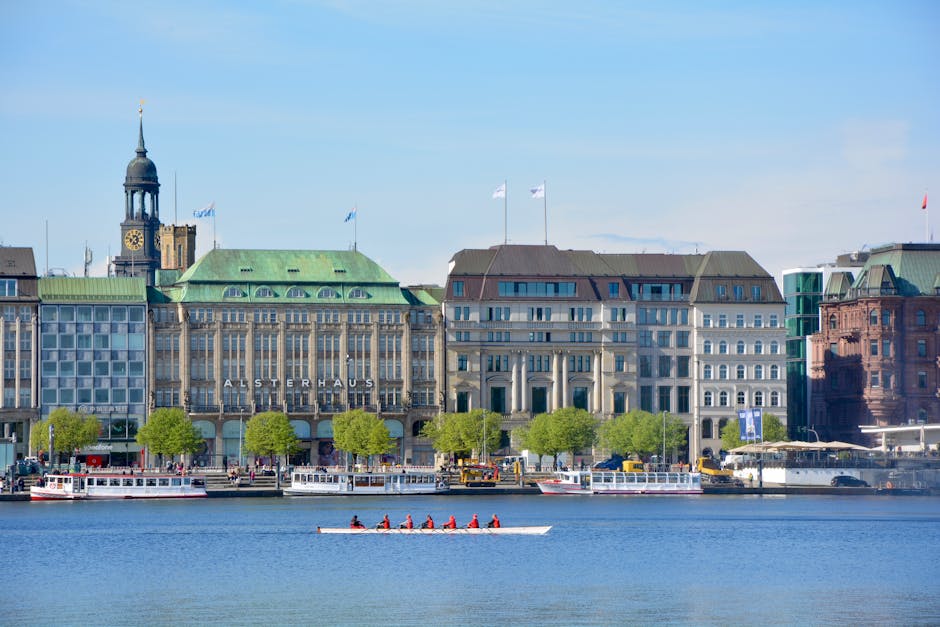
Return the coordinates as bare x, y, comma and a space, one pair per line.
305, 482
72, 487
616, 482
437, 531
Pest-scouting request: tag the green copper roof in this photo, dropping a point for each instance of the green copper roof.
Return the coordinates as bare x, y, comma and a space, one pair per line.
288, 277
92, 289
914, 267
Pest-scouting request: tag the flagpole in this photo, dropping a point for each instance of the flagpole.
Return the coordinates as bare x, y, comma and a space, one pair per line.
505, 211
355, 226
926, 218
545, 209
214, 245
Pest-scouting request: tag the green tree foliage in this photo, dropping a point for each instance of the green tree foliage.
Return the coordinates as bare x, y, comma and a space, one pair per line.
72, 431
462, 434
361, 433
270, 433
773, 430
170, 432
641, 432
565, 430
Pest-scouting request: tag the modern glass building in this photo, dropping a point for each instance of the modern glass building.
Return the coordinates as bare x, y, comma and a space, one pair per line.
93, 357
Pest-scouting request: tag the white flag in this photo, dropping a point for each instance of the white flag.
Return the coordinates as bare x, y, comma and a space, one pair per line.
538, 192
500, 192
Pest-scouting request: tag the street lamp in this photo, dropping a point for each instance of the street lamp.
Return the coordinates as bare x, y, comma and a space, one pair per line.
810, 430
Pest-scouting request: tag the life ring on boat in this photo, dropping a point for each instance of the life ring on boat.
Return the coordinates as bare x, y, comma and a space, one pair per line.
889, 485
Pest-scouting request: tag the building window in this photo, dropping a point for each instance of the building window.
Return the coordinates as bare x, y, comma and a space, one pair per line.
774, 321
775, 372
774, 347
885, 318
646, 397
613, 290
758, 321
619, 363
722, 371
462, 363
722, 348
645, 366
758, 399
722, 321
873, 348
707, 320
738, 292
682, 399
921, 348
834, 349
755, 293
665, 366
458, 288
620, 402
875, 379
707, 347
741, 398
358, 292
740, 347
739, 321
922, 380
886, 348
921, 318
721, 291
740, 372
758, 372
327, 292
663, 338
233, 292
723, 399
833, 321
7, 287
707, 371
296, 292
707, 400
775, 399
665, 395
264, 292
682, 366
682, 339
707, 425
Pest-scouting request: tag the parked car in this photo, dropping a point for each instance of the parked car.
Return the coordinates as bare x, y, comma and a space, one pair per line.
847, 481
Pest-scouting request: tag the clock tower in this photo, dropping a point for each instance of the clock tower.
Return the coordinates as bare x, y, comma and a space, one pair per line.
140, 229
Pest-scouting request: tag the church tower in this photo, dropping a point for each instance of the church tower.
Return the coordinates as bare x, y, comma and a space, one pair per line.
140, 229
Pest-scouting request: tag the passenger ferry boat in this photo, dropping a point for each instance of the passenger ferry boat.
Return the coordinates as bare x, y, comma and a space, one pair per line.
72, 487
312, 482
615, 482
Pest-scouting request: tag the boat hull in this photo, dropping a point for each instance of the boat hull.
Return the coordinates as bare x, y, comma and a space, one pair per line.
82, 487
461, 531
622, 483
309, 482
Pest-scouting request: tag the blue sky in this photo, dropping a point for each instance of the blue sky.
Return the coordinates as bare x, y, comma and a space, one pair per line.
793, 130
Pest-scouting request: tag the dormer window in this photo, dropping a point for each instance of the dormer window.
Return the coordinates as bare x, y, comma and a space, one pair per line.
327, 292
358, 292
296, 292
264, 292
233, 292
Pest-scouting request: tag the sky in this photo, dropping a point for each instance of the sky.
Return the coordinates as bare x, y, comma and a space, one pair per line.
796, 131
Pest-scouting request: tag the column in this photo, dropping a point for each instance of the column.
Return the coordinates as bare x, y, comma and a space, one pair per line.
312, 370
151, 366
553, 402
344, 361
598, 397
564, 380
184, 355
36, 360
250, 365
374, 366
3, 331
406, 358
524, 399
281, 372
514, 400
16, 365
217, 362
440, 361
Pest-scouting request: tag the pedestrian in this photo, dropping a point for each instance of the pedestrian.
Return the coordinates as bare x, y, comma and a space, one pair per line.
251, 477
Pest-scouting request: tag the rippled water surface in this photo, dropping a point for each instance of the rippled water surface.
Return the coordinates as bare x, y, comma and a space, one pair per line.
606, 561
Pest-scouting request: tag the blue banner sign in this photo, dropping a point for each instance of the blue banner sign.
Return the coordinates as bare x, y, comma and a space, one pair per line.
751, 422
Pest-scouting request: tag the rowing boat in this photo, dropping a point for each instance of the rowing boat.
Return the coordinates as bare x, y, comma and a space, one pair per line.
528, 531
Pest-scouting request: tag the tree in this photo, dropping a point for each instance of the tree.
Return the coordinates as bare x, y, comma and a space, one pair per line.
361, 433
462, 434
641, 432
72, 430
773, 430
170, 432
270, 433
565, 430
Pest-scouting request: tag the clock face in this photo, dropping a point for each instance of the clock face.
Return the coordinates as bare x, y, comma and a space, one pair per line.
134, 239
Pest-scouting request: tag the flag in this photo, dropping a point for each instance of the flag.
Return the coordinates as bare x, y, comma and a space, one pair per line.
500, 192
538, 192
206, 212
924, 204
350, 216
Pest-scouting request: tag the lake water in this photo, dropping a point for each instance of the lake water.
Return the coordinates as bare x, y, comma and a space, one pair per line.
714, 560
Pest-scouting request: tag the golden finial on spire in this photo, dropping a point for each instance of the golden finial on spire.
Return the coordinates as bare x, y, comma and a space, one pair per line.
140, 108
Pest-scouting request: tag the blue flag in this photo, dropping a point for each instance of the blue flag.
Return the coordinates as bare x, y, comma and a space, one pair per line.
206, 212
751, 423
350, 216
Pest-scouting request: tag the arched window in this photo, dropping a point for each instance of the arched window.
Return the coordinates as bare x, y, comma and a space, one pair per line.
834, 322
723, 399
740, 372
872, 319
921, 318
233, 292
758, 348
742, 398
722, 371
296, 292
774, 348
707, 347
740, 347
327, 292
722, 347
775, 399
707, 428
707, 401
707, 371
775, 372
758, 371
758, 399
358, 292
264, 292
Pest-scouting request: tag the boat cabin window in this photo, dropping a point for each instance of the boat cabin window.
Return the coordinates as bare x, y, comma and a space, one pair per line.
176, 481
151, 482
139, 482
127, 482
115, 482
163, 481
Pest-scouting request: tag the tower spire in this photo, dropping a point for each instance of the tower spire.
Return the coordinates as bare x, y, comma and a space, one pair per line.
141, 149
